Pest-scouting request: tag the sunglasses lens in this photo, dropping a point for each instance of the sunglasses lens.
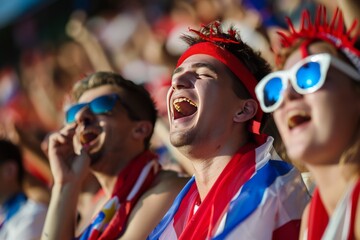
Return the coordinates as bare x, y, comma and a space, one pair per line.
102, 104
71, 112
99, 105
308, 75
272, 91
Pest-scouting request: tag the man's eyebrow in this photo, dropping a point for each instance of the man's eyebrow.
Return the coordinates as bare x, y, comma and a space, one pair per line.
177, 70
197, 65
204, 65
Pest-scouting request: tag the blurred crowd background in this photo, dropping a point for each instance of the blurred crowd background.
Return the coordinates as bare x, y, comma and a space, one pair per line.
47, 45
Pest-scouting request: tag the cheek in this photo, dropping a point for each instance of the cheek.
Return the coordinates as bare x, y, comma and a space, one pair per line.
337, 113
168, 96
337, 102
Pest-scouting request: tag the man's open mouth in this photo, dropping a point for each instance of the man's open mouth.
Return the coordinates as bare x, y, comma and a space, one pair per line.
183, 107
87, 136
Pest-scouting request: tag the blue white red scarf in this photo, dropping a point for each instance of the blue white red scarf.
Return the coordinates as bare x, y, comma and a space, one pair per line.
247, 204
132, 182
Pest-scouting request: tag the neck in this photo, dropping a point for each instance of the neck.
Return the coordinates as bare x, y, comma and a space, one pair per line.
107, 182
113, 164
209, 157
208, 171
332, 180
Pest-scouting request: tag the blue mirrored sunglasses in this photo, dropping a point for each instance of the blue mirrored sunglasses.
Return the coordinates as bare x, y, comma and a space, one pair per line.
100, 105
306, 76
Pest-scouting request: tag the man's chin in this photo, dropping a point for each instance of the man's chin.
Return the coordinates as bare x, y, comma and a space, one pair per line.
95, 158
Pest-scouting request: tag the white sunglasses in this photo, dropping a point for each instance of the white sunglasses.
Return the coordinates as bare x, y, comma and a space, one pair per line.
306, 76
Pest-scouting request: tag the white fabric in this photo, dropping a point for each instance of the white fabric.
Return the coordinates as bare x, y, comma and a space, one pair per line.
339, 223
169, 232
279, 200
309, 182
26, 224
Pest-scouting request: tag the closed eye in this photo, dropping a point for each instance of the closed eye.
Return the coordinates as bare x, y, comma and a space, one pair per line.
204, 75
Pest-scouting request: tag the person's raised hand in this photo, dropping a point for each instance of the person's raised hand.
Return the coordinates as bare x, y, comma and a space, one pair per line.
66, 165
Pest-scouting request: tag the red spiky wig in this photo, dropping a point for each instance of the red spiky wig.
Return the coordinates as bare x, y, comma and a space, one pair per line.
332, 32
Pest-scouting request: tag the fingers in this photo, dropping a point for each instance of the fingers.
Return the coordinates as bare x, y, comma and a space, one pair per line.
68, 130
60, 144
44, 145
65, 135
66, 165
75, 27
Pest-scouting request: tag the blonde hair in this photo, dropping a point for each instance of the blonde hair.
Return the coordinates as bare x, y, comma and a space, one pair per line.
352, 153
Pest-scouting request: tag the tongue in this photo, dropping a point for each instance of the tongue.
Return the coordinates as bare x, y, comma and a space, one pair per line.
185, 109
87, 137
297, 120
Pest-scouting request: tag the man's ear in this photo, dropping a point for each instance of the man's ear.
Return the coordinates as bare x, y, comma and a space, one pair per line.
143, 129
247, 112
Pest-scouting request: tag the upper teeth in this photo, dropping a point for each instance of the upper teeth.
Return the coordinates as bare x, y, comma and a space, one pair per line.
297, 113
179, 100
293, 121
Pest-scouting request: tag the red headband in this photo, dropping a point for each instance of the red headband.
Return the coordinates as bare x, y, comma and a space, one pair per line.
235, 65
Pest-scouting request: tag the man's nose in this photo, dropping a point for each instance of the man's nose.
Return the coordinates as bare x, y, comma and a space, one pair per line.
184, 80
84, 116
290, 93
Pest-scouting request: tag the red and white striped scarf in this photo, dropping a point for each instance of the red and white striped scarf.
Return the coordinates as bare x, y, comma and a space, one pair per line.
319, 220
132, 182
201, 224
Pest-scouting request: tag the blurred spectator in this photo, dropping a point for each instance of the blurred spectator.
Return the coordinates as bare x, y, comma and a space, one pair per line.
350, 9
20, 123
20, 216
207, 10
248, 22
112, 141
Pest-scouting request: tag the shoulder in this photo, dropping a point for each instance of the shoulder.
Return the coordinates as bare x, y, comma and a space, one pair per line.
286, 190
164, 189
29, 221
33, 209
282, 176
169, 180
153, 204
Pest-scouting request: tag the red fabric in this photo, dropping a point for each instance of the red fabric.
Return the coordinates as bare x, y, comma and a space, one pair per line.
233, 63
202, 224
186, 210
354, 201
318, 217
290, 230
123, 186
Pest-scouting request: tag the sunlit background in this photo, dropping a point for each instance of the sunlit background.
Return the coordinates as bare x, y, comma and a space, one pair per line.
47, 45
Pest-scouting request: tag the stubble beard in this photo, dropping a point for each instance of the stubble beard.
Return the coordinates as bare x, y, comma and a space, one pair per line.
181, 139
